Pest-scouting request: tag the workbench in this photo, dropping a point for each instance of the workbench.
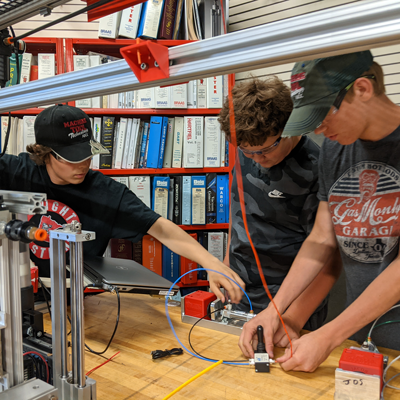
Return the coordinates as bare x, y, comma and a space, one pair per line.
143, 327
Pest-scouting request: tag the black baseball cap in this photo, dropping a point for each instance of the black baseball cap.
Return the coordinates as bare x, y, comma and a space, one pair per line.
315, 84
68, 132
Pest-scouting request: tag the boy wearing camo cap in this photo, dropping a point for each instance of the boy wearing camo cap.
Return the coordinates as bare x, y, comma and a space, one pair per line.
343, 97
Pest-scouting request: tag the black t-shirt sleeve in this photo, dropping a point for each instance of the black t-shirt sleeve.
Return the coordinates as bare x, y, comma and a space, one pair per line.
10, 172
133, 218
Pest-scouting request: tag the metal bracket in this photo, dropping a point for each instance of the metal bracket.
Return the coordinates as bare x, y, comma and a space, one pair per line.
34, 389
66, 234
227, 321
149, 61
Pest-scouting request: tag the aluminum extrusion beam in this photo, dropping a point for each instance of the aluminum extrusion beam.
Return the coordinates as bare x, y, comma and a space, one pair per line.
354, 27
24, 202
27, 10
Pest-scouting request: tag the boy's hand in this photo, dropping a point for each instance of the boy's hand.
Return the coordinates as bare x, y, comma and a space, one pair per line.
309, 352
217, 281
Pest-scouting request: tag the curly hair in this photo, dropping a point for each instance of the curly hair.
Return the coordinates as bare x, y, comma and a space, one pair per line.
262, 108
38, 153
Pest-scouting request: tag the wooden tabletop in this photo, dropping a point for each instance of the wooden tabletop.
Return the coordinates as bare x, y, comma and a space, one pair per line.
143, 327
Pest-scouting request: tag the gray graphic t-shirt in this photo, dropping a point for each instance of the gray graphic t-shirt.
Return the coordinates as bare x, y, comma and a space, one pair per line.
361, 183
281, 204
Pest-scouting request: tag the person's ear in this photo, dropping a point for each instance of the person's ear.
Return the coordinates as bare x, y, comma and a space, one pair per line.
363, 89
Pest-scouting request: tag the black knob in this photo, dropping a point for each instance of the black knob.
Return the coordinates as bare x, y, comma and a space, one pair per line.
260, 338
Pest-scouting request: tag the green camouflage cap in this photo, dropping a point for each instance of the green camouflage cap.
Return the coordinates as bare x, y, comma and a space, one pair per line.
315, 85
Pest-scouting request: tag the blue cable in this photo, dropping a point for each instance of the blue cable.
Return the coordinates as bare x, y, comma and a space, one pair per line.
170, 322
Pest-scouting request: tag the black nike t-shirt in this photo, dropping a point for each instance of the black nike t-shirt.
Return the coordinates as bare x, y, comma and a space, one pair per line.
281, 204
101, 204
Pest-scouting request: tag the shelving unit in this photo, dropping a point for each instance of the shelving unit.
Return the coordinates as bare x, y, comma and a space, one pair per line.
65, 49
112, 47
37, 45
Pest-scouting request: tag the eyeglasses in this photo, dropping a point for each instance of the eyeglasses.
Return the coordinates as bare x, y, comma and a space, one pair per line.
342, 94
263, 151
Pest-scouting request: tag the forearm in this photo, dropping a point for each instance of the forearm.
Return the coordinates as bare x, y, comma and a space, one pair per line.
304, 306
228, 246
177, 240
376, 299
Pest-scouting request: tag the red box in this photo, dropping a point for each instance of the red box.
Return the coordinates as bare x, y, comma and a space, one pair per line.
196, 303
366, 362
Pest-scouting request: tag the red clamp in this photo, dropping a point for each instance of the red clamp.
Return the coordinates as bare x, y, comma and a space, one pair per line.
149, 61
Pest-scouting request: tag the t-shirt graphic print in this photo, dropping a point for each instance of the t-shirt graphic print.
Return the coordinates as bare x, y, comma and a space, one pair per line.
58, 214
365, 206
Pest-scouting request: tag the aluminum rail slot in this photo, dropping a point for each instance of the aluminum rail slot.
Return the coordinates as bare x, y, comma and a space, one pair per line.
24, 10
24, 202
348, 28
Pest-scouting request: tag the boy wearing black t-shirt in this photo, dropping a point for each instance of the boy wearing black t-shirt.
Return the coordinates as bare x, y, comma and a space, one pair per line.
58, 165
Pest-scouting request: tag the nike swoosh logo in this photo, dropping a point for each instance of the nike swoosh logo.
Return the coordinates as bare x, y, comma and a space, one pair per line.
276, 196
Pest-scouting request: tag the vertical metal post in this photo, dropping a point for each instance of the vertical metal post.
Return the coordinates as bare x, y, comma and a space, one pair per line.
16, 311
58, 304
77, 321
5, 307
74, 384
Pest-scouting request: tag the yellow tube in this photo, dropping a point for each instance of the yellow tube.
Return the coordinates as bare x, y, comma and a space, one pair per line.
192, 379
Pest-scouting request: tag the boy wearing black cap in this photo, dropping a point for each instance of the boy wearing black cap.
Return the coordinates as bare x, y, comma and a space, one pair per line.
58, 165
343, 97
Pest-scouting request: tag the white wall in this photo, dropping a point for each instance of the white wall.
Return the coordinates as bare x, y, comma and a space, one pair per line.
77, 27
246, 14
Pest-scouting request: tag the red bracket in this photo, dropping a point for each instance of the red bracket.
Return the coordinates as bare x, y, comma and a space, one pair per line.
149, 61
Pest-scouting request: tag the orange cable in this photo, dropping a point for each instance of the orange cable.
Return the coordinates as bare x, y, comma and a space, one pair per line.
223, 16
242, 207
105, 362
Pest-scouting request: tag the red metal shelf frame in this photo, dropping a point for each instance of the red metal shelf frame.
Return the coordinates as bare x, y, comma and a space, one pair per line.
36, 45
106, 46
162, 171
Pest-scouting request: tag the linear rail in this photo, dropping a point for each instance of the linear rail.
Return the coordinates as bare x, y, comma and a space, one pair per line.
354, 27
24, 202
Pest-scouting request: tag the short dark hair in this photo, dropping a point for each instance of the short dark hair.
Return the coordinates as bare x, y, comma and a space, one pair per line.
38, 153
262, 108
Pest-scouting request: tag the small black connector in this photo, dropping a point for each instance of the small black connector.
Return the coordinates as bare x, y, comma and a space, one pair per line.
261, 357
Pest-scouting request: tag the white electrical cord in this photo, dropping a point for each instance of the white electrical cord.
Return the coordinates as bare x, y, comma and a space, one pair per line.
386, 385
384, 376
373, 325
